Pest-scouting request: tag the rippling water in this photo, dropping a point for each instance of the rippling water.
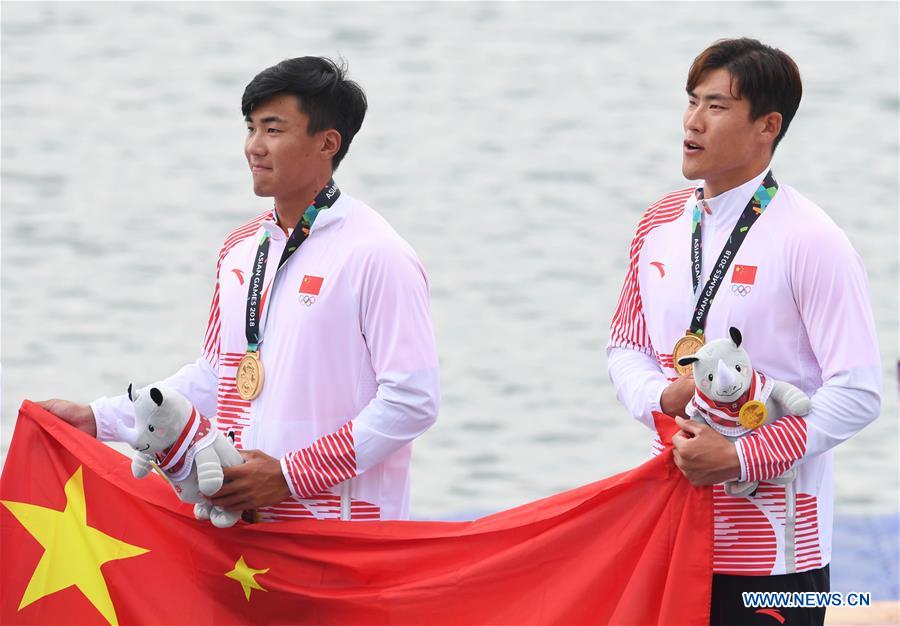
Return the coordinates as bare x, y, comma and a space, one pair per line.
514, 145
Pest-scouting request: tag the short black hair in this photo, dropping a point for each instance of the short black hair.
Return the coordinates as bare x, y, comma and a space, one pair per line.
326, 96
766, 76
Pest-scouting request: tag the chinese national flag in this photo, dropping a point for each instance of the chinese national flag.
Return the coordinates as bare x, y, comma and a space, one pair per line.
83, 542
311, 285
744, 274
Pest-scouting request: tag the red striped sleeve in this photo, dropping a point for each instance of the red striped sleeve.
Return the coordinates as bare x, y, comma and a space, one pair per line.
211, 344
211, 337
772, 450
628, 328
327, 462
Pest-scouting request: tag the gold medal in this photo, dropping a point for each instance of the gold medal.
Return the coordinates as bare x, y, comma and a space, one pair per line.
686, 346
249, 376
753, 414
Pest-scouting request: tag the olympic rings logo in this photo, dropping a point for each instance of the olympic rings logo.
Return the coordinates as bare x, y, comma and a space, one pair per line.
307, 299
741, 290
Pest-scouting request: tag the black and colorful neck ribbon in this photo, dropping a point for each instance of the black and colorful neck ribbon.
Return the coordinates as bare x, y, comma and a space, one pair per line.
325, 199
755, 207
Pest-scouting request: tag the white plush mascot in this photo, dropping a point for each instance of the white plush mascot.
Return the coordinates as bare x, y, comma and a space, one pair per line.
185, 445
734, 399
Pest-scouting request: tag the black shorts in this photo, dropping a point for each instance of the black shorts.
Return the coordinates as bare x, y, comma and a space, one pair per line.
728, 604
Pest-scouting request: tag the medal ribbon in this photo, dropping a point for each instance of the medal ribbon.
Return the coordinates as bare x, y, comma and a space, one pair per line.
325, 199
755, 207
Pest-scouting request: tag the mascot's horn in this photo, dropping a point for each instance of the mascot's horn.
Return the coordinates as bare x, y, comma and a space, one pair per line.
735, 336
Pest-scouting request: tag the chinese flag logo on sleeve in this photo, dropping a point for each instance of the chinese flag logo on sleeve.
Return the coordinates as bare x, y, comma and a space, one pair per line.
744, 274
311, 285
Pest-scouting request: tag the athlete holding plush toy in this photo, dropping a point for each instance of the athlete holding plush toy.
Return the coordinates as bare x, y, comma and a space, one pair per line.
744, 250
734, 399
319, 355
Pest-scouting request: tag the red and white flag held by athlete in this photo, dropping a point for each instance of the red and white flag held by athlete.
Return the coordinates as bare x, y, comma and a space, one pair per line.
83, 542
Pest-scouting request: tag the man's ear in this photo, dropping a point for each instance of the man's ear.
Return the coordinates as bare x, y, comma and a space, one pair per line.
770, 126
331, 143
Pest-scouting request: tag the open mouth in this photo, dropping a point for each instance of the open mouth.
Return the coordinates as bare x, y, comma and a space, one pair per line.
692, 148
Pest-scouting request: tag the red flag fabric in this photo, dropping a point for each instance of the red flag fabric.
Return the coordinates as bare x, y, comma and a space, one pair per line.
83, 542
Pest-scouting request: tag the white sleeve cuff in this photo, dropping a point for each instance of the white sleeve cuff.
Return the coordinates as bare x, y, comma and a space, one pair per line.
108, 412
739, 448
287, 476
639, 383
655, 402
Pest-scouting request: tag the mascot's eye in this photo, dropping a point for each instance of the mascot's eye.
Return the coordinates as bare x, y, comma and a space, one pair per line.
150, 428
737, 367
710, 377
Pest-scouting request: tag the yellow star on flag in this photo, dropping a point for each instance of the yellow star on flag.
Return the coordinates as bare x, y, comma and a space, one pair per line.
73, 551
244, 574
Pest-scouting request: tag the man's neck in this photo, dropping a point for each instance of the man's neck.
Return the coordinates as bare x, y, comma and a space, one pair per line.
289, 213
290, 210
716, 187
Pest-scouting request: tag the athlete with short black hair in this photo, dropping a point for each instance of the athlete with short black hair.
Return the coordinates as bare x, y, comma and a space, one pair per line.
319, 356
744, 249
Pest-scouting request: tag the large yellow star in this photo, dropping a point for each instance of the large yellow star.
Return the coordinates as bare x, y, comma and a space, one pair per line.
73, 551
244, 574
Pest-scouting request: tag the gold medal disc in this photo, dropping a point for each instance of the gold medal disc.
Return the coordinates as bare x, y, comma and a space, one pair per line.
753, 414
249, 376
686, 346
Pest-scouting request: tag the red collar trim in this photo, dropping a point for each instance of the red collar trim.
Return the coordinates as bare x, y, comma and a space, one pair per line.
172, 451
730, 408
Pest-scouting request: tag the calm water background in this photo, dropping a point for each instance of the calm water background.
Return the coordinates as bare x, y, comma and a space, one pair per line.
514, 145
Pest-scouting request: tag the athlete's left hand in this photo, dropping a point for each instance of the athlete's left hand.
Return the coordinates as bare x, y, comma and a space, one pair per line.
704, 456
257, 482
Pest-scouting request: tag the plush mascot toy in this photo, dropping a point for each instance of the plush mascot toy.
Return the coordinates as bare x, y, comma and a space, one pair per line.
185, 445
734, 399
